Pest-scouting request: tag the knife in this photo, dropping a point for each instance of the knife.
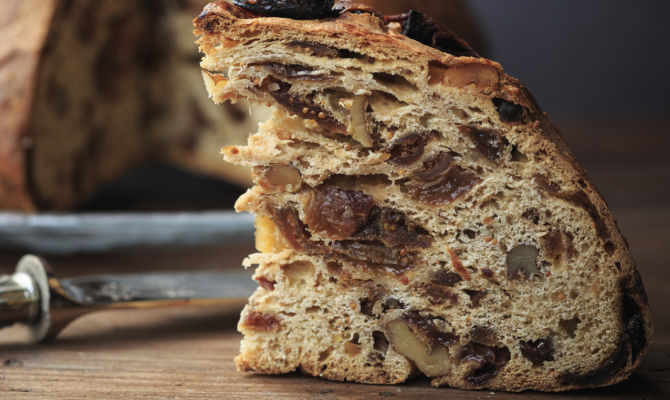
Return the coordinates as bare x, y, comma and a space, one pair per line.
33, 296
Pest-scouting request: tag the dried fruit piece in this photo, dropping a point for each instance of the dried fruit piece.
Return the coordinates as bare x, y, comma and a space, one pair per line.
475, 296
358, 125
295, 9
282, 177
445, 278
265, 283
438, 294
452, 185
338, 213
508, 111
538, 351
260, 321
305, 107
380, 343
489, 143
552, 243
522, 259
417, 26
427, 328
488, 361
434, 167
376, 254
407, 149
433, 362
291, 227
390, 227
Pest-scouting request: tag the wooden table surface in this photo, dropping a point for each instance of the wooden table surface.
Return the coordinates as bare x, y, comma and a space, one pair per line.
187, 353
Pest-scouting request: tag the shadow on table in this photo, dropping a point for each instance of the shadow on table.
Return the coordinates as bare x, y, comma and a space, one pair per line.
126, 329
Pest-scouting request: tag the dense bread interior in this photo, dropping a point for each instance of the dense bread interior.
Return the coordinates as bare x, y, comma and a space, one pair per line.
416, 212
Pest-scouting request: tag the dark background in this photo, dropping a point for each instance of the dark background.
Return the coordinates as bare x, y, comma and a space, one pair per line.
583, 57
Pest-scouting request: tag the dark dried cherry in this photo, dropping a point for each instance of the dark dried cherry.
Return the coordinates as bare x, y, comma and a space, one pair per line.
407, 149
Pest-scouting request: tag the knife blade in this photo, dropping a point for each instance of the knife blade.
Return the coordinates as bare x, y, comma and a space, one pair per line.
34, 296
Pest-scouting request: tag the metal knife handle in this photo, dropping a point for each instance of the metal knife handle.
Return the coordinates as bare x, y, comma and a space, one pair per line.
19, 299
24, 297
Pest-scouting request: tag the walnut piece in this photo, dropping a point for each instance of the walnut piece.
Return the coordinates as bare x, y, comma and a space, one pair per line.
405, 342
282, 177
358, 125
522, 259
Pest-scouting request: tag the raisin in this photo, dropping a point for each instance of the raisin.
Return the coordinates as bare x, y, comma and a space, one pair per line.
290, 225
305, 106
393, 304
376, 254
259, 321
389, 226
508, 111
438, 294
445, 278
522, 260
431, 33
487, 272
265, 283
483, 335
407, 149
338, 213
380, 343
434, 167
538, 351
425, 326
552, 243
452, 185
294, 9
488, 361
489, 143
475, 296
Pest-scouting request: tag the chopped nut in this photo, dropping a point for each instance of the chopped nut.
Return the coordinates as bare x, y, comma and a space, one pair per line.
283, 177
522, 259
358, 126
405, 342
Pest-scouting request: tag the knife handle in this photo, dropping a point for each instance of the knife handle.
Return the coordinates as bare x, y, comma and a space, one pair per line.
24, 297
19, 299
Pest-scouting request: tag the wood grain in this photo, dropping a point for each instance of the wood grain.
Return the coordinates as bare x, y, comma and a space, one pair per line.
187, 353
